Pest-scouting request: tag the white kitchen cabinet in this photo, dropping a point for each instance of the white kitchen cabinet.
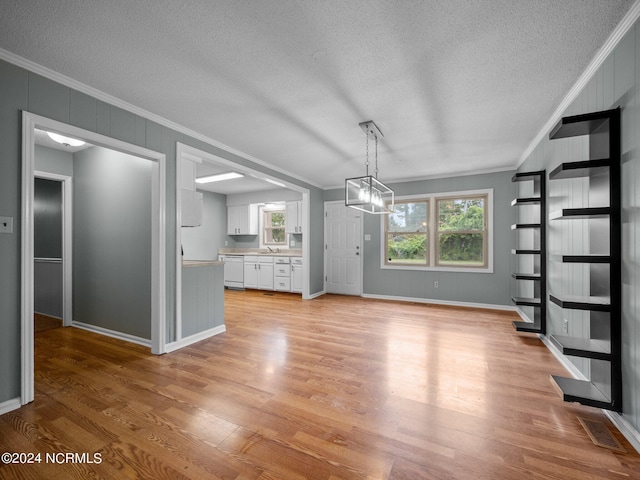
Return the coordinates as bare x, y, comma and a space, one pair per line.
250, 271
296, 274
293, 214
282, 274
242, 220
265, 273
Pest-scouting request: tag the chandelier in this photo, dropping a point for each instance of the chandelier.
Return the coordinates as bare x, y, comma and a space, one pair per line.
367, 193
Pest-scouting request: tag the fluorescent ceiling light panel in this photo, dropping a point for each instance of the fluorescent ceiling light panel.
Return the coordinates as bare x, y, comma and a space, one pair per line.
66, 141
219, 177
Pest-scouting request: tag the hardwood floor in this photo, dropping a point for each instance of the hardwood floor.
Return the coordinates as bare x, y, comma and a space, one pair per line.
332, 388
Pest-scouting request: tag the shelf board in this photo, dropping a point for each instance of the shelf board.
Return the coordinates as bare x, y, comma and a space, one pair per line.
587, 258
581, 391
526, 276
529, 327
583, 347
580, 169
574, 302
525, 252
578, 125
527, 176
531, 302
578, 213
518, 226
525, 201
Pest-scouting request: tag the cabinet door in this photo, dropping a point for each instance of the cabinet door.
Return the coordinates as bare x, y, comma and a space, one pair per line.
250, 275
296, 278
242, 220
291, 216
265, 276
299, 216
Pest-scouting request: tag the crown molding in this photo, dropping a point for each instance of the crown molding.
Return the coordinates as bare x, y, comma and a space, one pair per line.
116, 102
625, 25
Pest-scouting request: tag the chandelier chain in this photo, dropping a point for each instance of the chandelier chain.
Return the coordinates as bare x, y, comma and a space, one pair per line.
376, 137
366, 163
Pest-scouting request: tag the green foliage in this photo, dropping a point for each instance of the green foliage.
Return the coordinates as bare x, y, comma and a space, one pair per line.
407, 246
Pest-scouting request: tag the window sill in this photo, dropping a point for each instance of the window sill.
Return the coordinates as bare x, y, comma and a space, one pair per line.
488, 269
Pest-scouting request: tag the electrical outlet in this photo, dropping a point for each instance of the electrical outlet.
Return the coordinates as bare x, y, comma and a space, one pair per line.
435, 284
565, 325
226, 243
6, 224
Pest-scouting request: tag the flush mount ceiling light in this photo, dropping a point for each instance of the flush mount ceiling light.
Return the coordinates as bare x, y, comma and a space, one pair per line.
367, 193
219, 177
66, 141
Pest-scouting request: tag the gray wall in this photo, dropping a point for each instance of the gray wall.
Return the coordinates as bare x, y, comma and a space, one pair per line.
202, 243
616, 83
112, 241
485, 288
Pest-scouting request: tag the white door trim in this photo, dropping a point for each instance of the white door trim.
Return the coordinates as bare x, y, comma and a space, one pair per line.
326, 242
67, 244
30, 122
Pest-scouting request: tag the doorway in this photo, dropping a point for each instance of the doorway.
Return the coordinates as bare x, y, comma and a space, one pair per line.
52, 248
157, 293
343, 249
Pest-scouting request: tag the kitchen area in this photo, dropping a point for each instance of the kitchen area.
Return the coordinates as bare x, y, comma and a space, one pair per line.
247, 228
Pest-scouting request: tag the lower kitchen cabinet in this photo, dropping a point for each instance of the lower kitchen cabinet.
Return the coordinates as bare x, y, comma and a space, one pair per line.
296, 274
265, 273
250, 271
282, 274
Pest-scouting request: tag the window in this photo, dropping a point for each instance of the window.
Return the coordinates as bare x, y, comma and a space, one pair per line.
441, 232
462, 232
273, 230
407, 235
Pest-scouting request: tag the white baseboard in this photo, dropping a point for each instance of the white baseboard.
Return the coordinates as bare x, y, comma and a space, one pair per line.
198, 337
10, 405
622, 424
112, 333
316, 295
487, 306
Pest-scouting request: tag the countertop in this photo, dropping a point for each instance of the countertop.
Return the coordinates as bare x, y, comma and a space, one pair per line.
292, 252
200, 263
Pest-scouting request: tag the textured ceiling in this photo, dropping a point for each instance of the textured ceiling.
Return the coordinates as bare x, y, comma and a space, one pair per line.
455, 86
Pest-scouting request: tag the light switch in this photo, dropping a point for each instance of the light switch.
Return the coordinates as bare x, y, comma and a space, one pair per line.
367, 237
6, 224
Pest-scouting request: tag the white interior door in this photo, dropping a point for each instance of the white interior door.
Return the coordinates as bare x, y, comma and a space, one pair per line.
343, 249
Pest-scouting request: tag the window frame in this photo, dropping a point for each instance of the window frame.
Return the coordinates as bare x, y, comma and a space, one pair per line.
433, 233
264, 211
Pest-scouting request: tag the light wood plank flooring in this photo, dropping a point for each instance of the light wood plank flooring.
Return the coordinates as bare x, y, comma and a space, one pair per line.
332, 388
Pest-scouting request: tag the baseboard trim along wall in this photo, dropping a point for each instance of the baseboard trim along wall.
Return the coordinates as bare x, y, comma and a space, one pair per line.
198, 337
485, 306
316, 295
626, 429
10, 405
112, 333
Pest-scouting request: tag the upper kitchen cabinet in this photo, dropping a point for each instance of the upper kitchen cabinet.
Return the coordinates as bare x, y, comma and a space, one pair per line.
242, 220
293, 212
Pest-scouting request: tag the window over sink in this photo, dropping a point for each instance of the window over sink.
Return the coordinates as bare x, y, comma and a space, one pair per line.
273, 224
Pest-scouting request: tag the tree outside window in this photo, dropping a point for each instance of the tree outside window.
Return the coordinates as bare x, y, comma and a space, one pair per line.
273, 232
461, 232
406, 234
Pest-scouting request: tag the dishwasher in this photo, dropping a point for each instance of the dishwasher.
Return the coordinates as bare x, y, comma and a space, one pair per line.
234, 271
